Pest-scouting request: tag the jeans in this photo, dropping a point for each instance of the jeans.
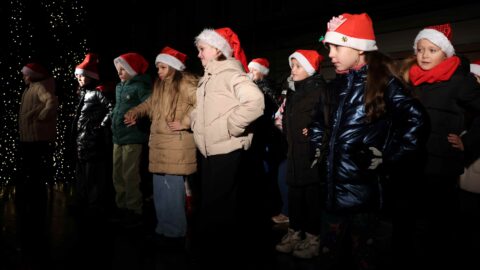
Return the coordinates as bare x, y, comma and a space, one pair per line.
169, 200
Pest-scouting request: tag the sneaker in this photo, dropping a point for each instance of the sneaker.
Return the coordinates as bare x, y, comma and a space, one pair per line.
288, 242
280, 219
308, 247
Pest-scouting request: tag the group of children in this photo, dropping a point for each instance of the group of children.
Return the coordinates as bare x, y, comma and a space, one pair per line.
357, 144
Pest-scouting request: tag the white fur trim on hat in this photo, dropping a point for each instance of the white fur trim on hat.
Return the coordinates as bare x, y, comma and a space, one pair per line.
170, 60
264, 70
475, 69
436, 38
119, 61
212, 38
303, 61
84, 72
351, 42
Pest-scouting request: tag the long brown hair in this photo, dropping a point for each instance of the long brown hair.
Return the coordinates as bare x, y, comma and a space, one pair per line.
167, 92
381, 69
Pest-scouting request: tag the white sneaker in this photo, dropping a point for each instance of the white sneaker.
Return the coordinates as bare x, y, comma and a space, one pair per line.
280, 219
288, 242
308, 247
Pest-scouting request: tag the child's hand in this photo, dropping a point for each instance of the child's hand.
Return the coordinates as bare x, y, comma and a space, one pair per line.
129, 119
305, 131
175, 126
456, 141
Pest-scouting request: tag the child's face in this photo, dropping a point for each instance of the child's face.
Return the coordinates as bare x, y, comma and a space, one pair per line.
206, 52
82, 80
256, 75
123, 74
162, 70
298, 72
429, 55
344, 58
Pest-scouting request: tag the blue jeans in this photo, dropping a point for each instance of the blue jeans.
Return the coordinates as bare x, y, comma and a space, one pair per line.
169, 199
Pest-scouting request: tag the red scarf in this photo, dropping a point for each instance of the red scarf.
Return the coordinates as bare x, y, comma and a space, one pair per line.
442, 72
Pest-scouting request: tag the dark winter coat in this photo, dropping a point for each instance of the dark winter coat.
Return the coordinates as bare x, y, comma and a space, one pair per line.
298, 115
446, 103
129, 94
397, 134
92, 123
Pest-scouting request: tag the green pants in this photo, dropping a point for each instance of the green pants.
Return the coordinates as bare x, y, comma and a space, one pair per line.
126, 176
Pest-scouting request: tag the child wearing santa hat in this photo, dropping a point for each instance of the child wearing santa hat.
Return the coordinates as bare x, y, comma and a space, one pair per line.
269, 142
442, 82
172, 154
227, 103
91, 126
376, 129
302, 237
37, 120
134, 88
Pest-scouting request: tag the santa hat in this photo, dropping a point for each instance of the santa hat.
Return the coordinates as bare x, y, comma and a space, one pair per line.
172, 58
475, 67
351, 30
133, 63
35, 71
226, 41
88, 67
261, 64
440, 35
309, 59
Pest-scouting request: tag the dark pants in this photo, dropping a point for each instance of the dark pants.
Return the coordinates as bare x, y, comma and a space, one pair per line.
91, 184
35, 172
215, 228
437, 229
304, 204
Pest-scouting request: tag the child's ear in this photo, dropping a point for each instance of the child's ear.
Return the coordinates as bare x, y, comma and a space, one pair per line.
361, 52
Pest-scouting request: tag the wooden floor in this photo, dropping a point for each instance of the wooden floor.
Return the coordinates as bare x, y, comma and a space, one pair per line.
72, 241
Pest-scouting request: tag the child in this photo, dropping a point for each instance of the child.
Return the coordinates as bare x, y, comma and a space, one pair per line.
91, 124
37, 120
133, 89
227, 102
302, 178
377, 126
443, 84
267, 142
172, 149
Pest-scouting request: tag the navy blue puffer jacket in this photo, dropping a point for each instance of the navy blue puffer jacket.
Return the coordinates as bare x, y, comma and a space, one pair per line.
398, 134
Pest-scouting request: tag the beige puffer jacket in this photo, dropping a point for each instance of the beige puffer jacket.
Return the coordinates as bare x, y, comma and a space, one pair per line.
171, 152
38, 112
227, 102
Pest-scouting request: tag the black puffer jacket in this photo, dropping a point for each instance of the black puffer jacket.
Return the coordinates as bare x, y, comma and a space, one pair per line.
92, 123
398, 134
298, 115
446, 103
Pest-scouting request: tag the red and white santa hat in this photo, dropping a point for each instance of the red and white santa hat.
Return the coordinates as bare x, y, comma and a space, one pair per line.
35, 71
309, 59
226, 41
88, 67
353, 31
440, 35
475, 67
172, 58
260, 64
132, 62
